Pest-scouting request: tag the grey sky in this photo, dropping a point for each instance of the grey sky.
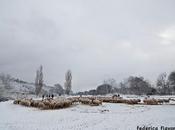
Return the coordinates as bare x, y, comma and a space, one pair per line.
96, 39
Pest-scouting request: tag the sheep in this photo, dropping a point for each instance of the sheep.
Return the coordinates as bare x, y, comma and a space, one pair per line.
49, 104
85, 101
107, 99
25, 102
32, 103
135, 101
46, 102
17, 101
41, 105
58, 105
119, 101
150, 102
35, 103
74, 99
67, 103
90, 101
160, 101
52, 104
96, 102
132, 101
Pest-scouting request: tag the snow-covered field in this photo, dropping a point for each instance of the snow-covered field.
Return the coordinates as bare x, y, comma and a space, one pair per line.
81, 117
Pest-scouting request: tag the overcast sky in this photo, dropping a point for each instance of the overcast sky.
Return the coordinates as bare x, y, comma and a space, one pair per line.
95, 39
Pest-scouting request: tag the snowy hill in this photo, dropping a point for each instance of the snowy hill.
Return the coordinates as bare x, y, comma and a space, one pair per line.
11, 87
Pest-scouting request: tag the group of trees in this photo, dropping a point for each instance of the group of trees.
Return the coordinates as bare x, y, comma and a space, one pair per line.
39, 82
165, 85
132, 85
100, 90
136, 85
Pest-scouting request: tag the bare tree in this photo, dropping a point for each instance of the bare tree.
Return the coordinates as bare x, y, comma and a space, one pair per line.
162, 84
5, 78
39, 80
68, 82
171, 80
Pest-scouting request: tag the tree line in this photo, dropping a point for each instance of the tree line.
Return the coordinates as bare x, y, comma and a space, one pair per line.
165, 85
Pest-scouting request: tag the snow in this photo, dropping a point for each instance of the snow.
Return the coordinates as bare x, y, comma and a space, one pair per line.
21, 89
82, 117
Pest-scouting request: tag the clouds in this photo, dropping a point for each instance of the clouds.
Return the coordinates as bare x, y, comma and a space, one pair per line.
95, 39
168, 36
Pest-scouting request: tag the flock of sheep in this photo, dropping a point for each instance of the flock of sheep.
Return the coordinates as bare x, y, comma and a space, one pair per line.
57, 103
134, 101
44, 104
